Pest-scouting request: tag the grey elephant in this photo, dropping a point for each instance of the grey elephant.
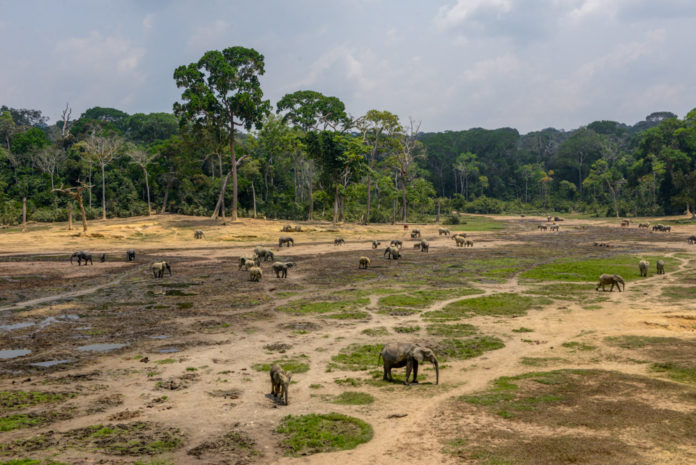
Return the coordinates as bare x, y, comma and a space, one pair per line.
692, 239
375, 244
130, 255
247, 262
198, 234
255, 274
396, 243
286, 240
415, 234
102, 258
339, 241
443, 232
364, 262
613, 279
459, 240
424, 246
392, 252
264, 253
404, 354
643, 267
159, 267
660, 267
281, 269
280, 380
287, 228
81, 256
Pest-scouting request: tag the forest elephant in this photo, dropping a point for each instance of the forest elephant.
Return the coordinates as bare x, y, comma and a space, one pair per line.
281, 269
548, 219
255, 274
643, 267
542, 227
130, 255
247, 262
660, 267
469, 243
692, 239
643, 225
613, 279
443, 232
424, 246
396, 243
280, 380
81, 256
415, 234
159, 267
364, 262
264, 253
555, 227
339, 241
102, 258
625, 223
392, 252
404, 354
375, 244
286, 240
459, 240
198, 234
287, 228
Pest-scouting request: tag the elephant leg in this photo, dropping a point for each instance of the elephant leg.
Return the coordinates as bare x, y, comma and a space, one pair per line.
415, 371
409, 366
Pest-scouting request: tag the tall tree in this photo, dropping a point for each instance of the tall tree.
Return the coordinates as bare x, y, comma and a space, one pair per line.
142, 158
409, 150
467, 165
222, 91
311, 111
377, 128
101, 149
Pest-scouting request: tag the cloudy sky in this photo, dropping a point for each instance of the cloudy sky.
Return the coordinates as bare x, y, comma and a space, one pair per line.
452, 64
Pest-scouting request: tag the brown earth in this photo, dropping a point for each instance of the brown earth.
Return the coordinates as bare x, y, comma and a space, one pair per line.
203, 329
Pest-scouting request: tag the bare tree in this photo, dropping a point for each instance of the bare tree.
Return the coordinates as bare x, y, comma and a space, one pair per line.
76, 193
409, 150
102, 150
142, 158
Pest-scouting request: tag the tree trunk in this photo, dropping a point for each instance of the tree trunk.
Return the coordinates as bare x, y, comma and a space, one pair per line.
24, 214
90, 184
403, 197
580, 175
369, 191
103, 193
437, 220
310, 182
170, 180
341, 204
82, 212
147, 189
335, 209
253, 196
221, 197
234, 176
69, 215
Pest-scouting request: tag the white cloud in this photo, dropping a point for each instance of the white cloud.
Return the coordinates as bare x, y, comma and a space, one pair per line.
449, 16
501, 66
148, 20
100, 55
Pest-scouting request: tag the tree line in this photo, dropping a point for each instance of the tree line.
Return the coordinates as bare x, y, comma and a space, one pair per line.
226, 151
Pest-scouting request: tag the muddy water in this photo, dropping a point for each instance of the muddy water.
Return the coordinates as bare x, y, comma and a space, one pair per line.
105, 347
13, 353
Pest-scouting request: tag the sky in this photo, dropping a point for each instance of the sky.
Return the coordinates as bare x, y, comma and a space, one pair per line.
451, 65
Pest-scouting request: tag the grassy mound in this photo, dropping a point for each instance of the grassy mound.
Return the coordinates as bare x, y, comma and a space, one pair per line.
315, 433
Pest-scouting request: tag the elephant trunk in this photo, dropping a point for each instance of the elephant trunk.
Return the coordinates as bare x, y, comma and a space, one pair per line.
437, 372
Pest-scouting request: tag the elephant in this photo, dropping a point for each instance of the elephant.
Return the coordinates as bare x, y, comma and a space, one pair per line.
400, 354
280, 380
613, 279
667, 228
396, 243
555, 227
660, 267
548, 219
364, 262
281, 269
469, 243
455, 236
392, 252
643, 225
643, 267
459, 240
415, 234
339, 241
375, 244
102, 258
557, 218
286, 240
443, 232
692, 239
81, 256
542, 227
287, 228
625, 223
159, 267
266, 254
130, 255
255, 274
198, 234
424, 246
247, 262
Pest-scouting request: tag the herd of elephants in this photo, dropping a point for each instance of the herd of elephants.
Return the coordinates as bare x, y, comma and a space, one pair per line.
393, 355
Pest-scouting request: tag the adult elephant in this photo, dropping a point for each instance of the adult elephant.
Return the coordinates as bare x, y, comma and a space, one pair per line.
82, 256
404, 354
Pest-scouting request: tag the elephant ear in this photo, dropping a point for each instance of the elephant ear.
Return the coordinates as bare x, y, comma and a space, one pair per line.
417, 354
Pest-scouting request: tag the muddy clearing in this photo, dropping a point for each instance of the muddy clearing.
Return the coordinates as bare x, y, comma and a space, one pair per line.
106, 364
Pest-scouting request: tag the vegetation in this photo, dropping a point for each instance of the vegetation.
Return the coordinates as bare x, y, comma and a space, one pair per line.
504, 304
353, 398
295, 365
315, 433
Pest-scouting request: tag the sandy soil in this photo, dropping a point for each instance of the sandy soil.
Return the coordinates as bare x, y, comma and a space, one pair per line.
218, 337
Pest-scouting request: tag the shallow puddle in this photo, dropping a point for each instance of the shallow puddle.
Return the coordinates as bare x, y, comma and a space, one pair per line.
50, 363
106, 347
169, 350
14, 326
13, 353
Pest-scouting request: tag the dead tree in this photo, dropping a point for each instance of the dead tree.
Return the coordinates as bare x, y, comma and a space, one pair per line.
76, 193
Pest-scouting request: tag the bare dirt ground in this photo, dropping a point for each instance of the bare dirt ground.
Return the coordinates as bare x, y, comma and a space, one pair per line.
617, 369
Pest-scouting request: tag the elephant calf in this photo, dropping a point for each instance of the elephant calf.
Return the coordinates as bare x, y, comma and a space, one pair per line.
281, 269
255, 274
403, 354
415, 234
130, 255
643, 267
364, 262
613, 279
280, 380
469, 243
396, 243
159, 267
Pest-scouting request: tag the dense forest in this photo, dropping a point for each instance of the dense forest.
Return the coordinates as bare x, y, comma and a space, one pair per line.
225, 151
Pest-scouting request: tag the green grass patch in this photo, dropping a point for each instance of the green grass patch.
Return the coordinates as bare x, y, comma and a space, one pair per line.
540, 361
347, 382
578, 346
589, 270
424, 298
12, 422
679, 292
504, 304
13, 400
353, 398
676, 371
134, 439
451, 330
32, 462
638, 342
306, 306
315, 433
165, 361
522, 329
379, 331
463, 349
477, 223
357, 357
350, 315
298, 364
406, 329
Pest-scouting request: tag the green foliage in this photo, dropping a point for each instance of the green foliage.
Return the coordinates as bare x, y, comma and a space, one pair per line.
12, 422
315, 433
299, 364
11, 400
451, 330
504, 304
462, 349
353, 398
590, 269
357, 357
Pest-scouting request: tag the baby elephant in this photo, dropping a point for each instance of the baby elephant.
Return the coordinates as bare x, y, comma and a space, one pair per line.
255, 274
364, 262
198, 234
339, 241
280, 380
375, 244
424, 245
643, 267
159, 267
281, 269
396, 243
469, 243
660, 267
130, 255
247, 262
